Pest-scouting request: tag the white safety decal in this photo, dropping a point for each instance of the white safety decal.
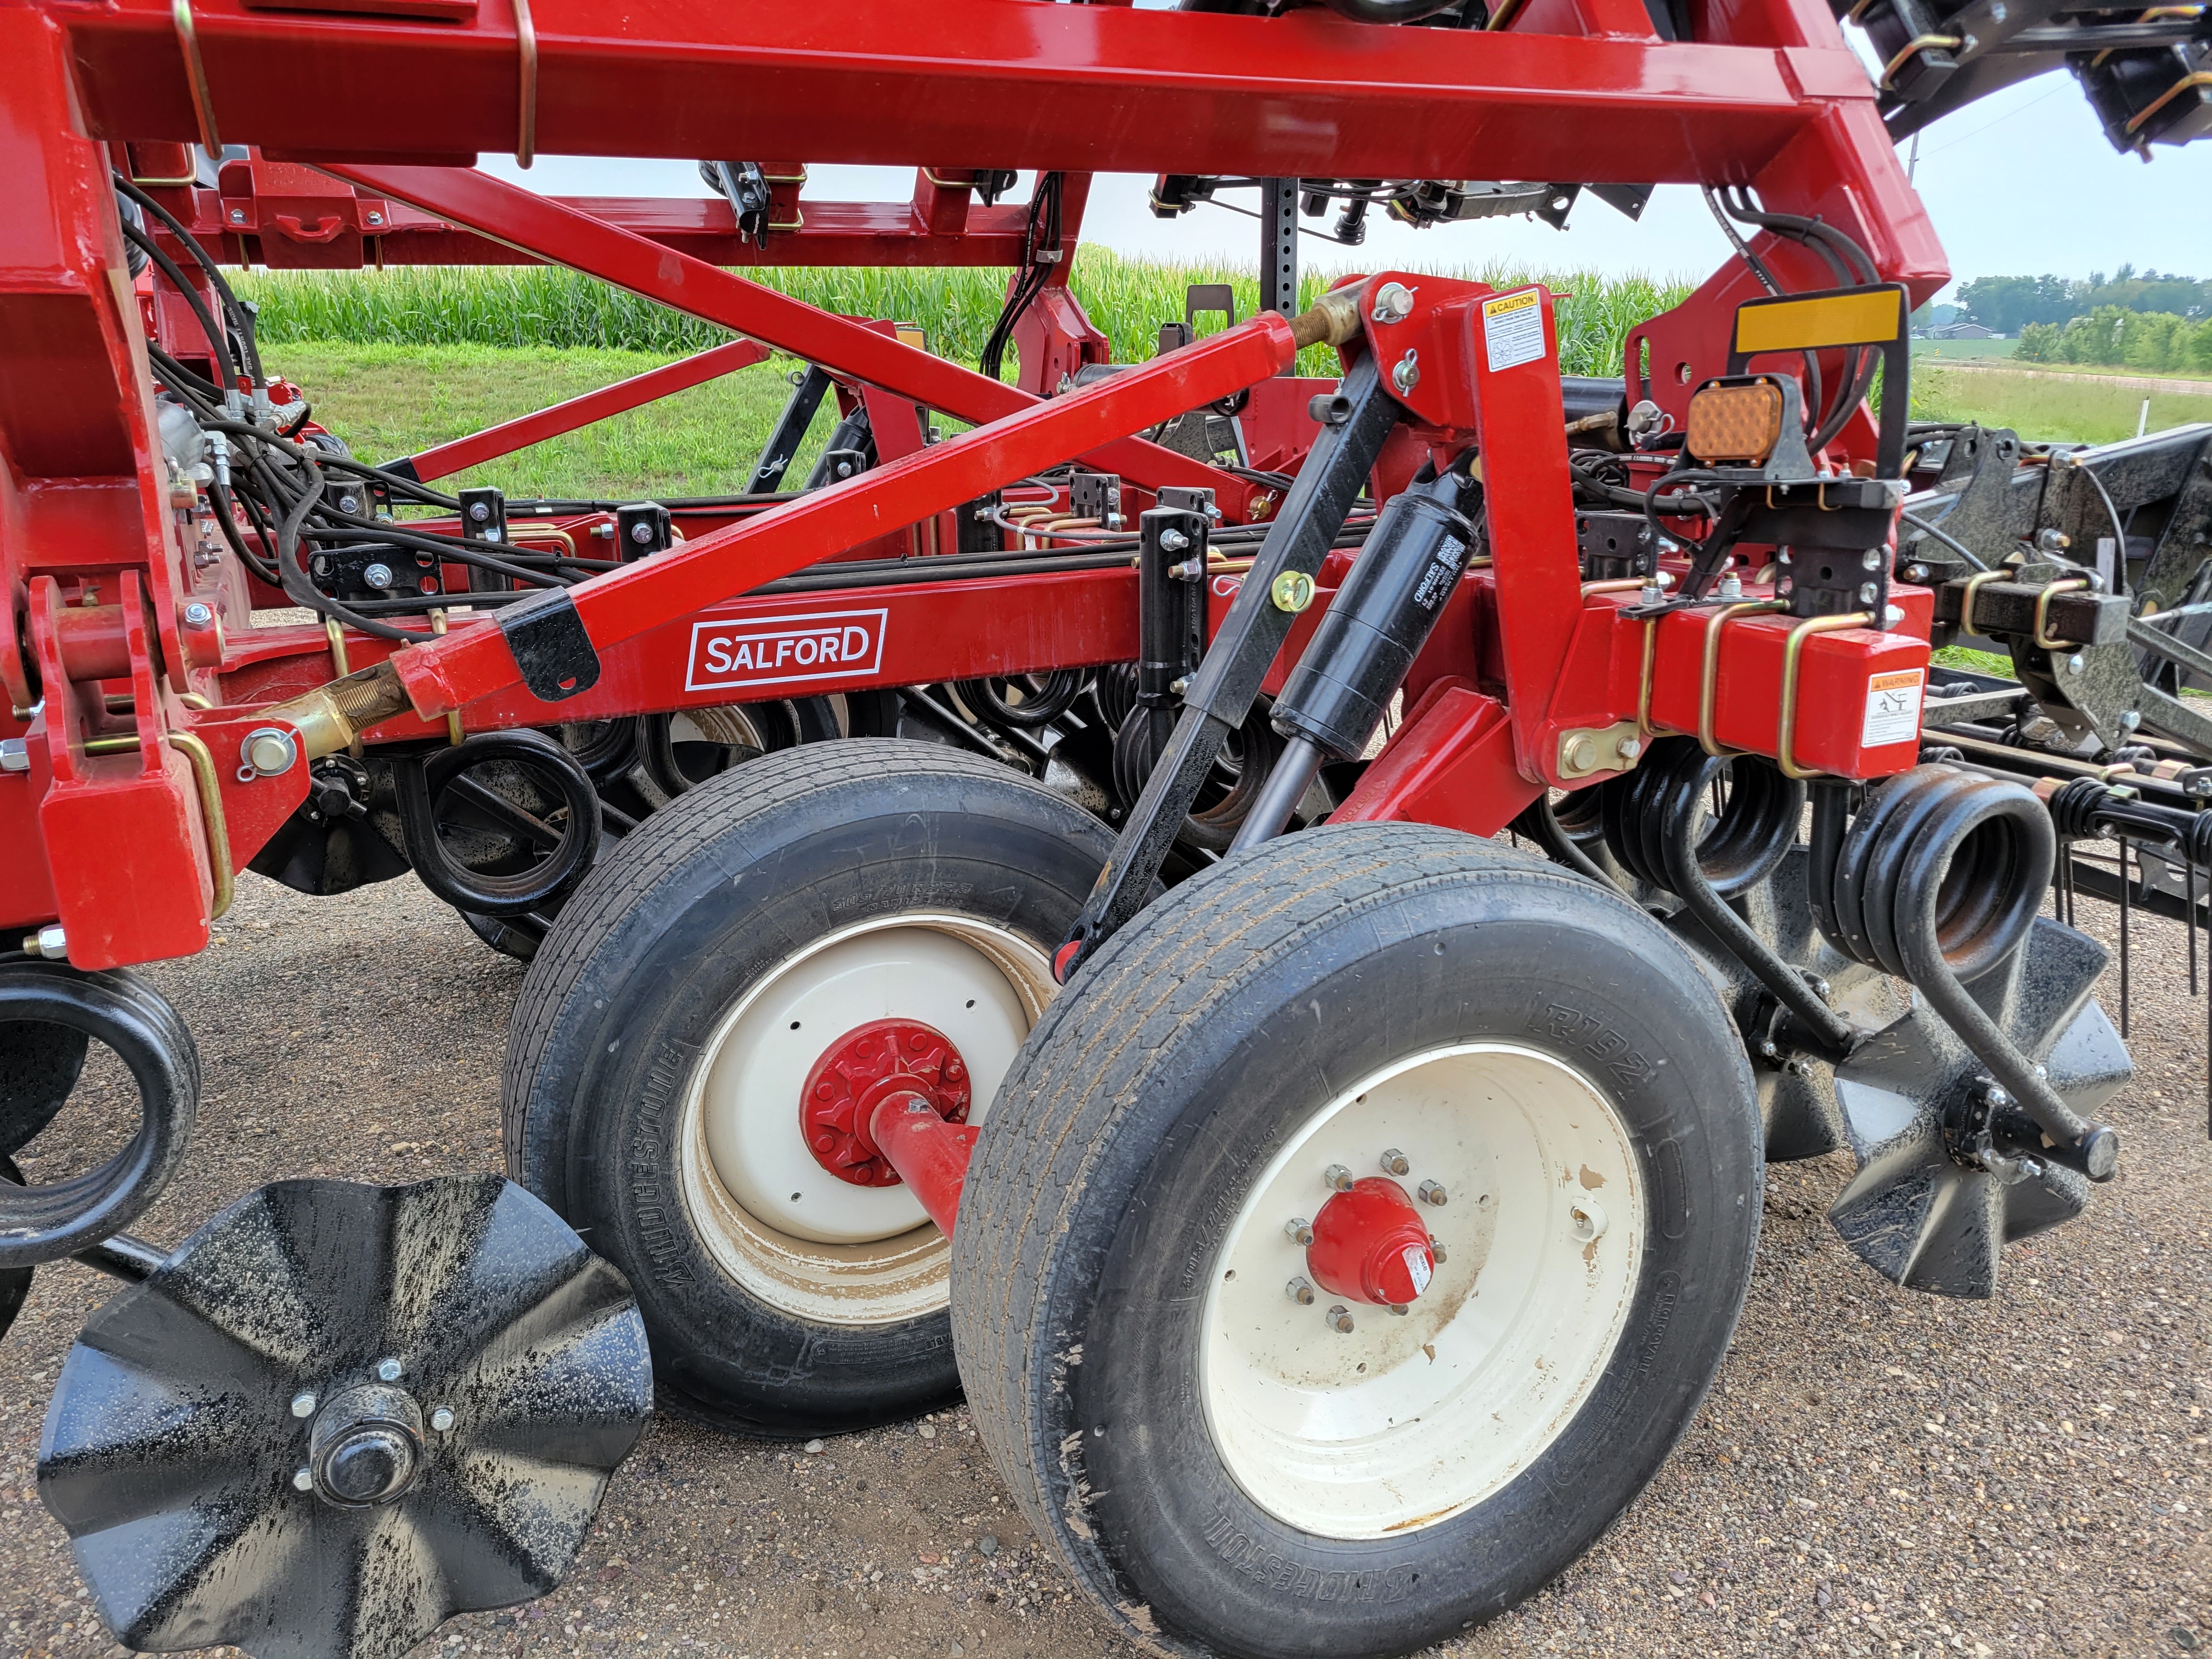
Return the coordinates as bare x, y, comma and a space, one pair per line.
1513, 329
1892, 708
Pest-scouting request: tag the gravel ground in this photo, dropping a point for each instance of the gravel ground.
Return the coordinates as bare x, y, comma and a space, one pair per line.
1877, 1473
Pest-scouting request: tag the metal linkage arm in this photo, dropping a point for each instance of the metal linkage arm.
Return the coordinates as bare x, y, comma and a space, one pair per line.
1259, 621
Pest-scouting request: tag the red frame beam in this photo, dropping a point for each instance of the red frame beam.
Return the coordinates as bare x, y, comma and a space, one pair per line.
560, 236
445, 459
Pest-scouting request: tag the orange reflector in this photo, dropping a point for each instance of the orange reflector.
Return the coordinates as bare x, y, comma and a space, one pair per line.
1867, 317
1740, 423
912, 334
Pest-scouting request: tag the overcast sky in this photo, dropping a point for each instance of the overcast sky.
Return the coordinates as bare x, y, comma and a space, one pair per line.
2021, 184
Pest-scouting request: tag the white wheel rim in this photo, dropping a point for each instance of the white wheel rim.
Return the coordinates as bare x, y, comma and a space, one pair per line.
1411, 1418
784, 1227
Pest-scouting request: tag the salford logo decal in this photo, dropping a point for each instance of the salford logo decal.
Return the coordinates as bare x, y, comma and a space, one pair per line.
820, 645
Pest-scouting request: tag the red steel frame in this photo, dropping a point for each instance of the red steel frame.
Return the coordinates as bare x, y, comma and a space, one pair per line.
124, 825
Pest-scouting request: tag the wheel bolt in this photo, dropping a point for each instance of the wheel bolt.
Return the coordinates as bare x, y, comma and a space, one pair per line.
1338, 1319
1298, 1231
1399, 1309
387, 1371
1436, 1252
1393, 1163
1432, 1192
1338, 1176
303, 1404
1300, 1292
303, 1479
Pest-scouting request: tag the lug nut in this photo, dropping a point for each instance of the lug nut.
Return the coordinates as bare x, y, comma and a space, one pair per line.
1337, 1176
1338, 1319
1436, 1252
1400, 1309
1393, 1163
442, 1420
1300, 1292
303, 1404
1298, 1231
387, 1371
1432, 1192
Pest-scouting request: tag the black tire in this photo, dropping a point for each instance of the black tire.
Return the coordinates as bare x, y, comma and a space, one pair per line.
705, 902
1151, 1099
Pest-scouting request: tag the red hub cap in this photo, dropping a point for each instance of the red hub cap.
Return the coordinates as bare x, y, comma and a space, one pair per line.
1370, 1244
857, 1073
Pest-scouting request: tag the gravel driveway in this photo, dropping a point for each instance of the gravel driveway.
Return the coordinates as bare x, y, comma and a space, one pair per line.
1878, 1473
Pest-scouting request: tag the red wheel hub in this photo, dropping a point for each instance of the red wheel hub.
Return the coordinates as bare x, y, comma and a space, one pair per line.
857, 1073
1370, 1244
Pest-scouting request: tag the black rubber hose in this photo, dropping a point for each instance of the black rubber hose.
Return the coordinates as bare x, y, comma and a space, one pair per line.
420, 780
45, 1223
1541, 823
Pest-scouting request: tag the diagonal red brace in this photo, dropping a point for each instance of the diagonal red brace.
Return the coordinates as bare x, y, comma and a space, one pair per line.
448, 458
547, 230
475, 661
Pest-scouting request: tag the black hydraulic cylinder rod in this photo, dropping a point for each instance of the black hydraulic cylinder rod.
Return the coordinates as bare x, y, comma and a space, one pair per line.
1380, 619
1286, 787
790, 430
1260, 617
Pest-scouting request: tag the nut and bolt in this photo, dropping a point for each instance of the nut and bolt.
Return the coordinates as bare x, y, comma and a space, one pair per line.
1337, 1176
376, 575
1915, 572
641, 532
442, 1420
1394, 303
1394, 1161
49, 942
1173, 541
1436, 1251
1731, 588
387, 1371
1582, 755
1400, 1309
15, 754
1338, 1319
303, 1477
238, 216
2130, 719
479, 512
374, 217
198, 615
2076, 663
1298, 1231
1628, 747
1432, 1192
1300, 1292
303, 1403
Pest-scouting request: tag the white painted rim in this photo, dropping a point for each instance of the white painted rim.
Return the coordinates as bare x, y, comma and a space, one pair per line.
783, 1227
1409, 1419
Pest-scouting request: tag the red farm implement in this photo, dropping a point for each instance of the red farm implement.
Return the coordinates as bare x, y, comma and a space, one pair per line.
1024, 910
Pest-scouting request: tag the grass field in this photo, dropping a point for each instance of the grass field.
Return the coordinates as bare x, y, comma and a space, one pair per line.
2078, 409
1977, 350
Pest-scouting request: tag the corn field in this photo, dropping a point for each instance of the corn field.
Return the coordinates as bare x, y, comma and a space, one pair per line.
1128, 299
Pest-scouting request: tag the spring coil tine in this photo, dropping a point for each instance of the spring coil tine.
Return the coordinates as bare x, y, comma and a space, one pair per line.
1937, 880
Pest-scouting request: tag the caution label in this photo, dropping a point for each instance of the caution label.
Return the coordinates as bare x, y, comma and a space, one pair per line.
1892, 708
1513, 329
1416, 1263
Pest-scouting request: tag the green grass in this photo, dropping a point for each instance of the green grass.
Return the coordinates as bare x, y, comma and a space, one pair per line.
391, 400
1127, 299
2075, 409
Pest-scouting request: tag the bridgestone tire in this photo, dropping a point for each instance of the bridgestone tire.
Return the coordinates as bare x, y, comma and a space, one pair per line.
666, 943
1170, 1081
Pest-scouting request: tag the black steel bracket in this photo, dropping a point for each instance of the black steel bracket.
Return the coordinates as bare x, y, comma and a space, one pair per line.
550, 644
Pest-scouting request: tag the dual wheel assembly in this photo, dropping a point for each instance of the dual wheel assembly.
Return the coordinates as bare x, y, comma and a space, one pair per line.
1339, 1253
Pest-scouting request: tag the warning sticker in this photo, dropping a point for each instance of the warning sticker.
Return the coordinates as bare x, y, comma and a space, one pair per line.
1416, 1263
1893, 709
1513, 329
